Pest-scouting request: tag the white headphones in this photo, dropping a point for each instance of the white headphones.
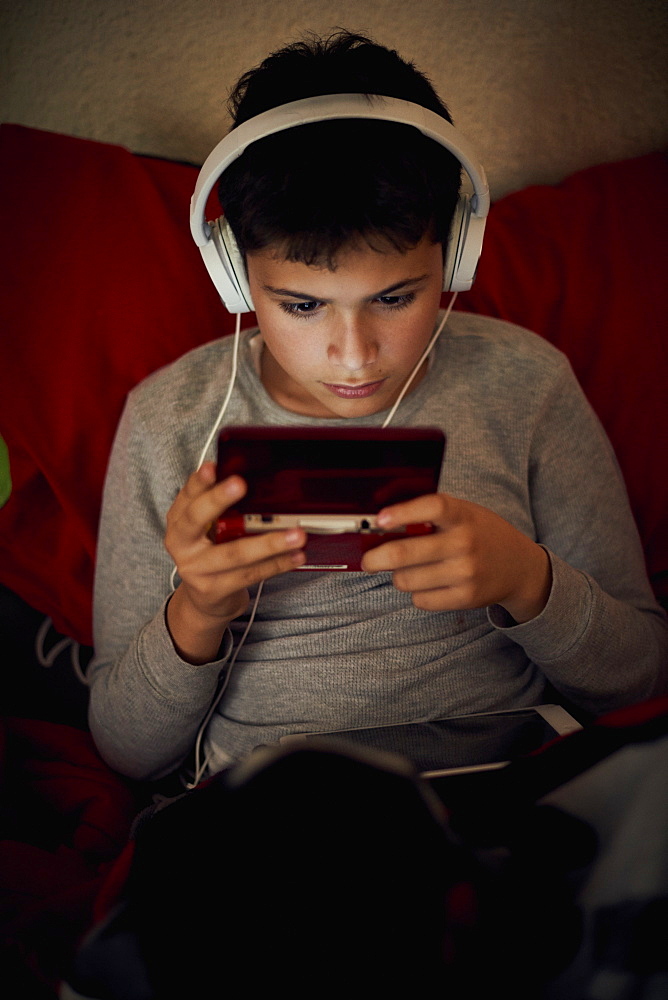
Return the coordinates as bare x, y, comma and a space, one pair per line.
216, 241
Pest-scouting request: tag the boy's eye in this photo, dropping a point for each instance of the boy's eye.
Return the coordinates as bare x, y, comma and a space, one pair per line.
300, 308
308, 307
396, 301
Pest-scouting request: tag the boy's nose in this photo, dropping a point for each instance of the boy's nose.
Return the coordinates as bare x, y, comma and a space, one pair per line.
353, 347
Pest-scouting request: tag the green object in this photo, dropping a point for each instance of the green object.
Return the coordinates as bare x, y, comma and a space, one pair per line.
5, 477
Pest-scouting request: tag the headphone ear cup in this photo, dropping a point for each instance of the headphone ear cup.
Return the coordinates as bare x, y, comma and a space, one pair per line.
464, 247
226, 267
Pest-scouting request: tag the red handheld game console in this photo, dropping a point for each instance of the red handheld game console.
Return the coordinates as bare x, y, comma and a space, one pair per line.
330, 481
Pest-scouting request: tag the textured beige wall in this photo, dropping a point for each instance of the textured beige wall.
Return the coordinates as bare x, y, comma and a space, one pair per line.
543, 87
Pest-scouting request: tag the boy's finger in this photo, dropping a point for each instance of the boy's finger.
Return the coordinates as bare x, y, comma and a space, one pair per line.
214, 502
196, 484
254, 549
235, 566
398, 554
199, 481
438, 509
200, 503
265, 569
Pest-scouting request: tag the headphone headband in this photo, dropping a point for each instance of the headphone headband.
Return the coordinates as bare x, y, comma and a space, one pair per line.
217, 244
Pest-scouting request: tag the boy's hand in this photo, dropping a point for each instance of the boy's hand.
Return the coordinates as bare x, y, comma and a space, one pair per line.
472, 560
215, 578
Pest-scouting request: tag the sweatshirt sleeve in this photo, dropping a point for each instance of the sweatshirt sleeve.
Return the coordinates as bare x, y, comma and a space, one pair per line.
602, 639
146, 703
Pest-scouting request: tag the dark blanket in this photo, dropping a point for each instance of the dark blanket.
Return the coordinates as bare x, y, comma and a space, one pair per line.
495, 864
64, 819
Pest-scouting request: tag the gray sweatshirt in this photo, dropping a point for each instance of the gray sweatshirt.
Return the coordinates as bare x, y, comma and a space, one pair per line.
341, 650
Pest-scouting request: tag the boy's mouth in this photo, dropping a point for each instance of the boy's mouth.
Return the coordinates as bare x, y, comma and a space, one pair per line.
354, 391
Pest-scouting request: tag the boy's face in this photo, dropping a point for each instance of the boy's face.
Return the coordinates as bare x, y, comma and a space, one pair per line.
342, 343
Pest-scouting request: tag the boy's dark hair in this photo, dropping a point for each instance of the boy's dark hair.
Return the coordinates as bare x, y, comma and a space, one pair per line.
313, 189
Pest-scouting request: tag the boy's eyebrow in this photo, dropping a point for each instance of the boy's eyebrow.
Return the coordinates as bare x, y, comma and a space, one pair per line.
294, 294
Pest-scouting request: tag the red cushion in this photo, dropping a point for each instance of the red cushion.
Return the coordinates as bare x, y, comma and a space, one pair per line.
105, 285
584, 265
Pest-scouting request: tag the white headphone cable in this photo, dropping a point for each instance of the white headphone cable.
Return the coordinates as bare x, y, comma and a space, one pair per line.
200, 768
425, 354
228, 395
221, 413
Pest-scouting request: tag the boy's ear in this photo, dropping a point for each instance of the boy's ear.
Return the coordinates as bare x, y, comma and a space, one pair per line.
225, 264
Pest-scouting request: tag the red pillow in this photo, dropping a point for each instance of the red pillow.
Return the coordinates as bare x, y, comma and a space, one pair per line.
584, 265
105, 285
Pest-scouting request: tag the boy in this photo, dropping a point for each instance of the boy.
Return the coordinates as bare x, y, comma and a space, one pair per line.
534, 576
